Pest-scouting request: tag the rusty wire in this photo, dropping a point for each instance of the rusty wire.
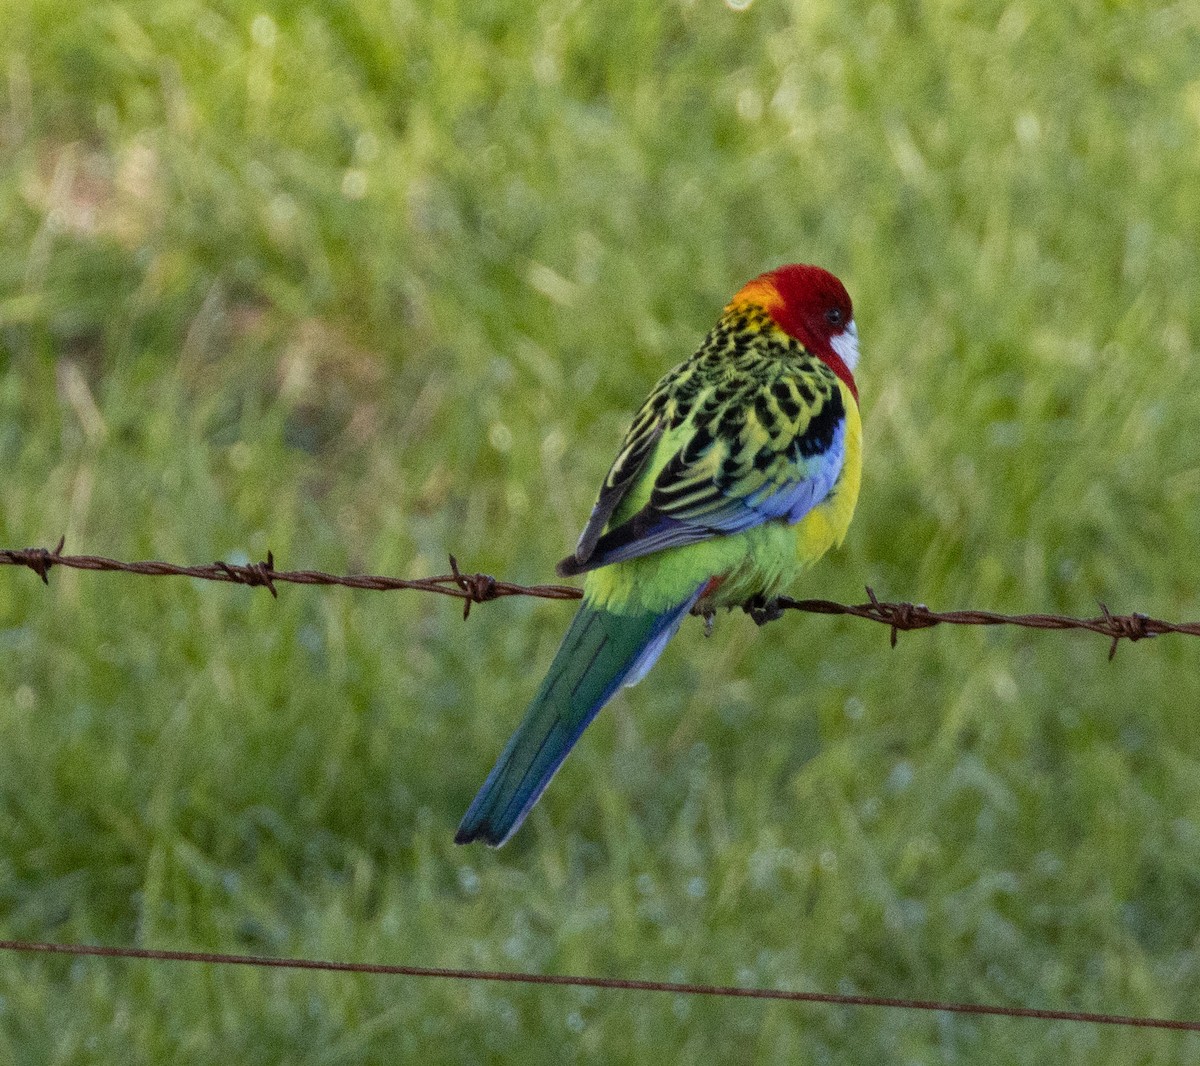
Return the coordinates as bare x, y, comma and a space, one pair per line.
470, 588
610, 983
480, 588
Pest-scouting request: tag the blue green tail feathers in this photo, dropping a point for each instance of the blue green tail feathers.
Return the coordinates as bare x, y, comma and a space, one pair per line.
600, 651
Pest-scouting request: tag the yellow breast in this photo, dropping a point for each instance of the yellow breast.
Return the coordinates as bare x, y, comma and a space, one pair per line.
825, 526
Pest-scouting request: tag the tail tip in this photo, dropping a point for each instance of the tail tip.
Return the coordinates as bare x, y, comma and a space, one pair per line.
470, 831
467, 832
569, 567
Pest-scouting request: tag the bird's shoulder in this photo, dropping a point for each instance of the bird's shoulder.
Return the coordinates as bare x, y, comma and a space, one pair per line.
768, 402
760, 420
747, 430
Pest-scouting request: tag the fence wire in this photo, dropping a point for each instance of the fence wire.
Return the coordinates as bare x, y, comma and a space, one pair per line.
899, 617
473, 588
609, 983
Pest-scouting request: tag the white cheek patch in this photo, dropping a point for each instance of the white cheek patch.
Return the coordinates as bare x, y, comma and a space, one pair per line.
846, 345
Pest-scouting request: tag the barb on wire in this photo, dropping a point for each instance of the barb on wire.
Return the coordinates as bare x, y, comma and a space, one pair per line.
611, 983
480, 588
473, 588
904, 617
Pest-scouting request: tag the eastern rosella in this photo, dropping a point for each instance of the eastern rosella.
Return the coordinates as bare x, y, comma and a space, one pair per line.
740, 469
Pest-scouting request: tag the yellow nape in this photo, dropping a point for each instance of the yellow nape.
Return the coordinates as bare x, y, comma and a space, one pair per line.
760, 293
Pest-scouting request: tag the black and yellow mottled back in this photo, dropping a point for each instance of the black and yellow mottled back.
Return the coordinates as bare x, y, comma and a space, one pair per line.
747, 430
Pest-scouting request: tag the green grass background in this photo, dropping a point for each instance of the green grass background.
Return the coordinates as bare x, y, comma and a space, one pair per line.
367, 283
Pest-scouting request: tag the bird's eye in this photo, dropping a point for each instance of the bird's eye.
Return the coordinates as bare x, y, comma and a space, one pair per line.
834, 316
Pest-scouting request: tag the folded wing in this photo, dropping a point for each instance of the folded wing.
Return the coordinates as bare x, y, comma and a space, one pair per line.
771, 450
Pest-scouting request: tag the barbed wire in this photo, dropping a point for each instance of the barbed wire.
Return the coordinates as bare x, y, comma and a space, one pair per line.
470, 588
900, 617
482, 588
608, 983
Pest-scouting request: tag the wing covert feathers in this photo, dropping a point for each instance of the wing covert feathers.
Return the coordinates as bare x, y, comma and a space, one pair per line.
754, 429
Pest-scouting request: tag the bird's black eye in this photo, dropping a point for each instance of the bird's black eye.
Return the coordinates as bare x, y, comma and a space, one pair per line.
834, 316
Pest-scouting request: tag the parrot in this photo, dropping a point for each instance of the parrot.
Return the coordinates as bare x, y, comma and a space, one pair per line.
740, 469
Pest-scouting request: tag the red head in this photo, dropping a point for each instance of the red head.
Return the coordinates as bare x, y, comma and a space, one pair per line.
811, 305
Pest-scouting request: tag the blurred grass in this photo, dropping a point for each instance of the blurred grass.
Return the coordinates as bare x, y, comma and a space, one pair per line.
370, 283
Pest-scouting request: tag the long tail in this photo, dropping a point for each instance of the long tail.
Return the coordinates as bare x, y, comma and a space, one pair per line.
600, 651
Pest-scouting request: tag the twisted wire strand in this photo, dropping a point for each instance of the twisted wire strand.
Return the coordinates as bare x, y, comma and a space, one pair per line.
476, 588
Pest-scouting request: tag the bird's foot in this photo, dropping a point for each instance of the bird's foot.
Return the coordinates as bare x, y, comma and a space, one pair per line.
763, 610
710, 618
